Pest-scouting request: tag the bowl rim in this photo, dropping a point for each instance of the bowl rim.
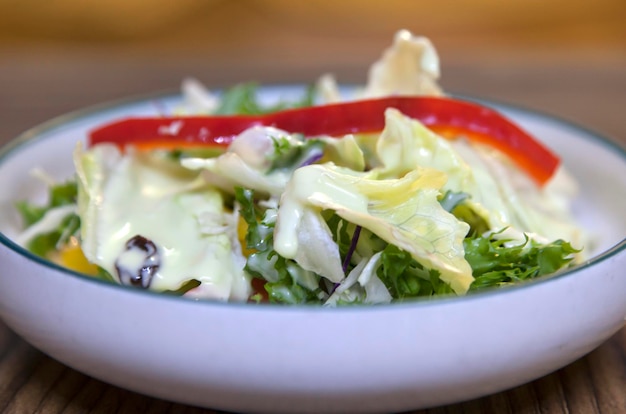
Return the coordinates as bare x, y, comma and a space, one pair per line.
39, 132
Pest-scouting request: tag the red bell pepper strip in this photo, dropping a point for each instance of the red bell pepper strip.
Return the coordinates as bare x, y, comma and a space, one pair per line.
447, 116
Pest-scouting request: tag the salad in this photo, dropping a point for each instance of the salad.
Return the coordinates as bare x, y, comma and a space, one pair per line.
387, 193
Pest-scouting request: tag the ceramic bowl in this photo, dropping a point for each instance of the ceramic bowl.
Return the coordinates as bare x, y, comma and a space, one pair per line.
270, 358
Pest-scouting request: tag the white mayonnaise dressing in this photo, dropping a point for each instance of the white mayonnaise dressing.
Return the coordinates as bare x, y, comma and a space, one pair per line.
149, 197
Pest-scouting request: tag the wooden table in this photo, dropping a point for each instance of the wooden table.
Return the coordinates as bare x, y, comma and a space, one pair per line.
45, 82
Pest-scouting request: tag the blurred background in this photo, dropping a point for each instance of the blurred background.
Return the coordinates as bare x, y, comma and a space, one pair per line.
562, 56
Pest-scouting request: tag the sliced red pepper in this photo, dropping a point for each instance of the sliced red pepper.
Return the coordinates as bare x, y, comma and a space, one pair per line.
447, 116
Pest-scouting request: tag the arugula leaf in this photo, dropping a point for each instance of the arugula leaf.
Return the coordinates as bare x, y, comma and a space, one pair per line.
242, 99
496, 264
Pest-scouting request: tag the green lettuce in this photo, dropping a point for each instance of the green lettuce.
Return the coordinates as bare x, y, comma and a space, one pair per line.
498, 262
285, 281
406, 144
242, 99
500, 195
407, 278
404, 212
49, 226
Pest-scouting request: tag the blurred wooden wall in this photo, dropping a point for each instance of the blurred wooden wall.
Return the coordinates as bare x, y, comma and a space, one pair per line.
80, 52
309, 32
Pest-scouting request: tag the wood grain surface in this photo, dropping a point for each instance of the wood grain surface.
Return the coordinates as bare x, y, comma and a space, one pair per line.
569, 62
30, 382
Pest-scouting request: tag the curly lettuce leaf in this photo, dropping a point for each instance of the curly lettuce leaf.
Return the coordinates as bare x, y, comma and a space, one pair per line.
285, 281
497, 263
407, 278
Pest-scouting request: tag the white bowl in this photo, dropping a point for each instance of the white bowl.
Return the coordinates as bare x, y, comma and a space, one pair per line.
267, 358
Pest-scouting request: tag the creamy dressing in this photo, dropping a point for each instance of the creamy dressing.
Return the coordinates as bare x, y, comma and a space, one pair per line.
138, 263
152, 199
307, 182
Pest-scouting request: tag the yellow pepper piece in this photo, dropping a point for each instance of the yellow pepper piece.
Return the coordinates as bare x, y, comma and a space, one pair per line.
242, 230
72, 257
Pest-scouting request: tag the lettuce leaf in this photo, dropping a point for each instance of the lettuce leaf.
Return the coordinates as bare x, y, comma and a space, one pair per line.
344, 152
123, 196
404, 212
500, 195
406, 278
242, 99
497, 263
406, 144
260, 158
408, 67
49, 226
508, 199
285, 281
58, 195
